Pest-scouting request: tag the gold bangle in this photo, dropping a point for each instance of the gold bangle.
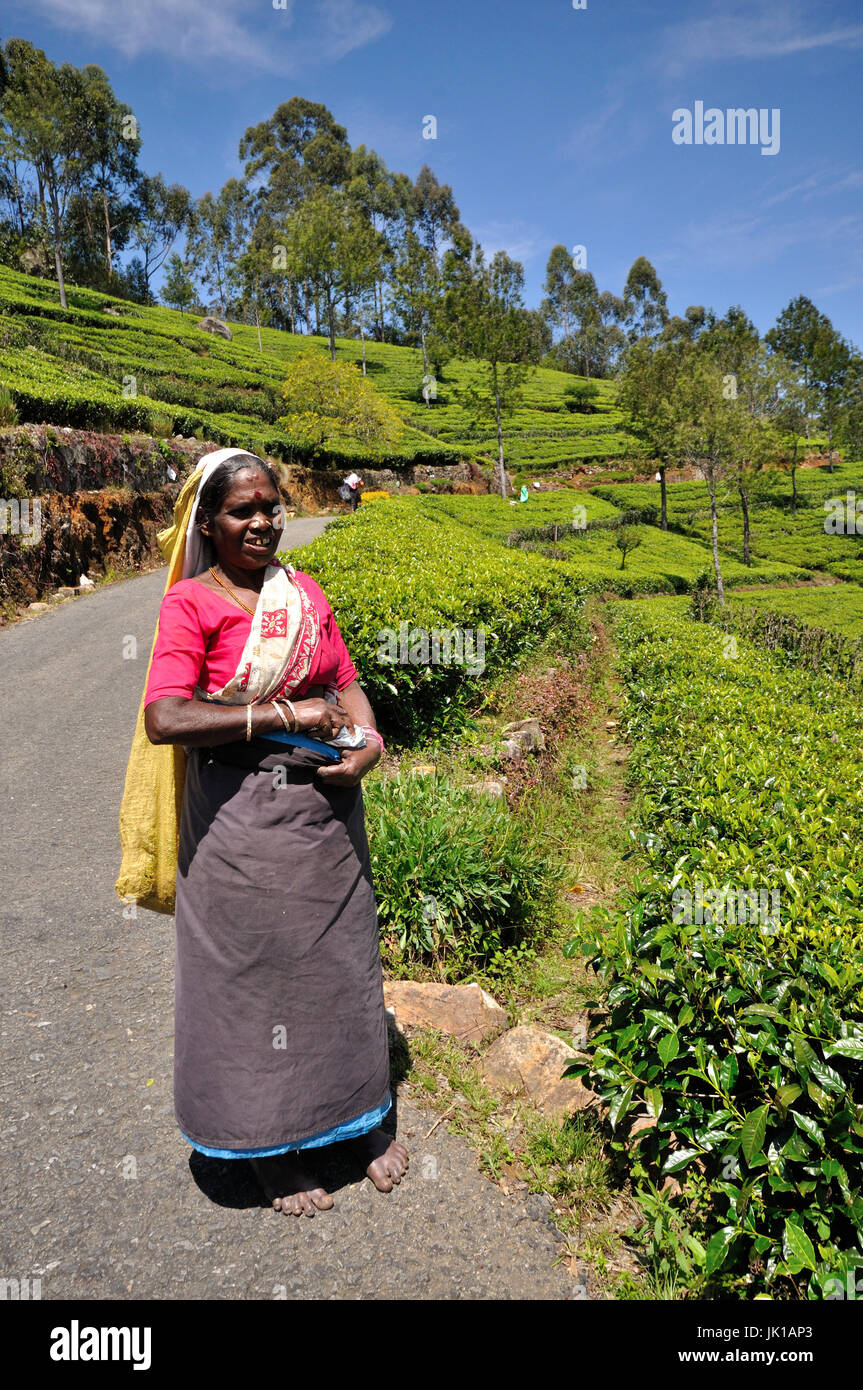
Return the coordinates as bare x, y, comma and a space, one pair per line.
281, 713
294, 716
248, 723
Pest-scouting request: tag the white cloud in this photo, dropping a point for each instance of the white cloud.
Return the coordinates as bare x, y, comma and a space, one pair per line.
761, 30
242, 36
517, 239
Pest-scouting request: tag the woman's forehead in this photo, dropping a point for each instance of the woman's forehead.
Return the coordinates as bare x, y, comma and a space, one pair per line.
249, 485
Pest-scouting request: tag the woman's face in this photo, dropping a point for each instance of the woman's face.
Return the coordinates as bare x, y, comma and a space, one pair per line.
247, 529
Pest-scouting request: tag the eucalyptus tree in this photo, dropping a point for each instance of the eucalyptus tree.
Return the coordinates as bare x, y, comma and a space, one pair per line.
331, 244
645, 301
45, 124
481, 315
162, 212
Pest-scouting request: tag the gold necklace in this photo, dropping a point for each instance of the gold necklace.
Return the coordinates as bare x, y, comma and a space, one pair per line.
231, 592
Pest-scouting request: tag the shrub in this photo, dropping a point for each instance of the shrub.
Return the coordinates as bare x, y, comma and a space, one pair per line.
459, 883
390, 571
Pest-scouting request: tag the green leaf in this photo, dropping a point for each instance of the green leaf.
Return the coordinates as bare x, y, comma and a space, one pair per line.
653, 1096
809, 1126
668, 1048
717, 1249
786, 1096
620, 1105
679, 1159
753, 1132
728, 1072
797, 1247
845, 1047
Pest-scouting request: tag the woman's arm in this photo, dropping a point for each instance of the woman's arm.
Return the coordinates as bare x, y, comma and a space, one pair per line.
195, 723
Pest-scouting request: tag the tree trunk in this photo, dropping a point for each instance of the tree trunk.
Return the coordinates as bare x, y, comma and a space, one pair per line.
663, 499
108, 251
744, 504
58, 259
714, 536
794, 483
499, 432
258, 324
363, 336
331, 324
425, 354
308, 308
380, 315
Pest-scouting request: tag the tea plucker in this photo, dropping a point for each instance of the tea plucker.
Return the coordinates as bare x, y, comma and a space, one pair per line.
280, 1033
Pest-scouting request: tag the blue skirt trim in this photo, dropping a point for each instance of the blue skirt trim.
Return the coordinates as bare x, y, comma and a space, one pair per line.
350, 1129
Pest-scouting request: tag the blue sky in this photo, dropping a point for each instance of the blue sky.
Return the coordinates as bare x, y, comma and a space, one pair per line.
553, 124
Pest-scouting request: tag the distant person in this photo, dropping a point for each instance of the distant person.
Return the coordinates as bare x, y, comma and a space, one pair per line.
350, 490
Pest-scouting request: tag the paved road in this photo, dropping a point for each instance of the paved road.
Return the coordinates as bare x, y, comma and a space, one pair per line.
101, 1196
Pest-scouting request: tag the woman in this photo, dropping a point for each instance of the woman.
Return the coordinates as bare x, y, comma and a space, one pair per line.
280, 1034
351, 493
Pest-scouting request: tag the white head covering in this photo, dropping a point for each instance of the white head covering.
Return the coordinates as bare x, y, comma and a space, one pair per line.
195, 560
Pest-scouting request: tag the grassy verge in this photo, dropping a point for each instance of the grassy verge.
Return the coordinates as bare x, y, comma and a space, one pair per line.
573, 799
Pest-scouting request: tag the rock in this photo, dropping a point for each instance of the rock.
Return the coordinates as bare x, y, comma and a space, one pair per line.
641, 1125
37, 607
65, 591
531, 1060
213, 325
32, 262
579, 1026
512, 749
85, 583
488, 788
526, 732
464, 1011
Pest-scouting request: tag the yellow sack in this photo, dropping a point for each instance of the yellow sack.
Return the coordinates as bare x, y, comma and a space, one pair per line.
156, 773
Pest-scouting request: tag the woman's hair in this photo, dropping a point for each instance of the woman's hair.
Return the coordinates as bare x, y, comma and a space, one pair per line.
221, 480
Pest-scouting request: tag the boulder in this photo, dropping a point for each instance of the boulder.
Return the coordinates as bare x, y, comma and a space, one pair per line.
213, 325
527, 733
37, 607
529, 1060
464, 1011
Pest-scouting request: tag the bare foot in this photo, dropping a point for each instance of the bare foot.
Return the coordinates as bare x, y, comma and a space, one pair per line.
384, 1160
289, 1187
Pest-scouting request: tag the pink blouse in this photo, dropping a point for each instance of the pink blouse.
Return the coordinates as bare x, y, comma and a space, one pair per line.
202, 635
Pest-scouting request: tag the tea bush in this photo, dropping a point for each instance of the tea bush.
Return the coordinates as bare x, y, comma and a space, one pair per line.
744, 1041
395, 575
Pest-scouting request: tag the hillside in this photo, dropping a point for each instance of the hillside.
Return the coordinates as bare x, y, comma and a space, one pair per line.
108, 364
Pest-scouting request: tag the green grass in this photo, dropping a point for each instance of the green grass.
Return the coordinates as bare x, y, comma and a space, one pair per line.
71, 367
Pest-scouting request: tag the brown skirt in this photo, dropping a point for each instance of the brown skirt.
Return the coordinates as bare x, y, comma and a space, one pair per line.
280, 1029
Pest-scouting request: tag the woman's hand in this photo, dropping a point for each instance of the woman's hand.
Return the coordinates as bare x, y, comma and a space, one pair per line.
355, 763
320, 718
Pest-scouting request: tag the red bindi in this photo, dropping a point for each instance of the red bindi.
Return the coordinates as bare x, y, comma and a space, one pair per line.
258, 496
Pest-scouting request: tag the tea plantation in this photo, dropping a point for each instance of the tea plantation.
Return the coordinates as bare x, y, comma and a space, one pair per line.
153, 369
